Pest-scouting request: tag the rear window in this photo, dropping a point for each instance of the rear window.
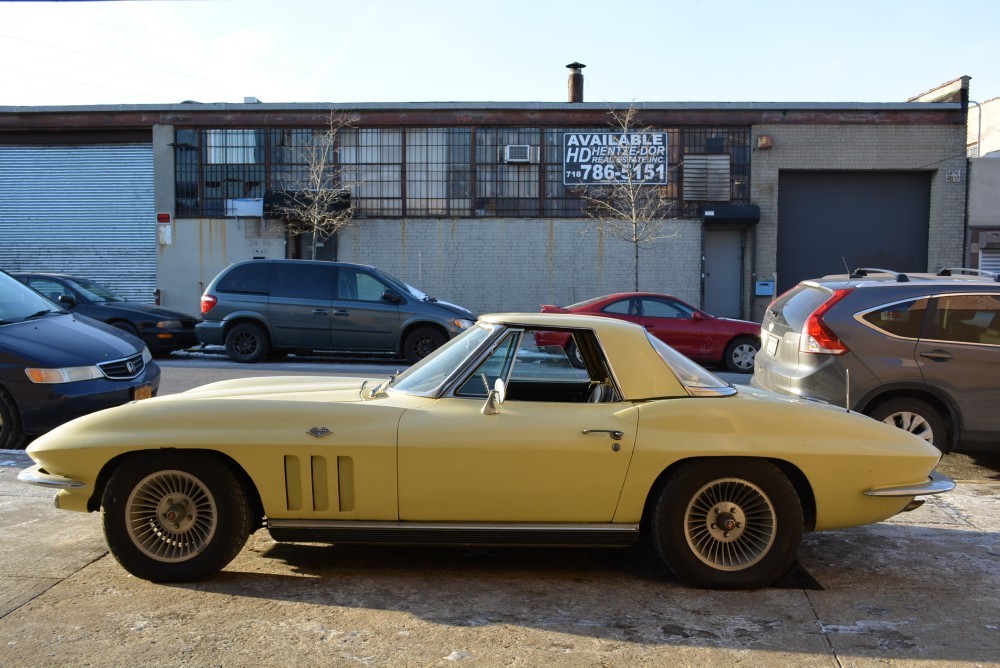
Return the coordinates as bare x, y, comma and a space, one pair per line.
253, 279
795, 306
967, 319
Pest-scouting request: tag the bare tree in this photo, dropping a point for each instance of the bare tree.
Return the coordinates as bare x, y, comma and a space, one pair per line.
632, 205
316, 197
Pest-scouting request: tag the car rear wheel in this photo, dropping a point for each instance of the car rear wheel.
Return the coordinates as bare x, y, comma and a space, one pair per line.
727, 523
741, 353
917, 417
11, 436
246, 343
421, 342
174, 517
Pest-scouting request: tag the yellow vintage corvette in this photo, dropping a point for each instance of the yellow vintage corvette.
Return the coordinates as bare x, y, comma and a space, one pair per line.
498, 437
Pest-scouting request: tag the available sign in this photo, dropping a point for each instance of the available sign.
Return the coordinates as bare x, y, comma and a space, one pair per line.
605, 158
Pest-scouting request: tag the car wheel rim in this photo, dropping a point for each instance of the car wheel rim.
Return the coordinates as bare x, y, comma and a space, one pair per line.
730, 524
744, 355
424, 346
246, 344
914, 423
171, 516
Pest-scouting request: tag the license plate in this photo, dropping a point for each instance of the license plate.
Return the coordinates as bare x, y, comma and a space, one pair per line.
772, 345
142, 392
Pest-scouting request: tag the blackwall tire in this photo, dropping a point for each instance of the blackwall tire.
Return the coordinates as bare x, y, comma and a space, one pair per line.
174, 517
741, 353
247, 343
917, 417
421, 342
728, 523
11, 435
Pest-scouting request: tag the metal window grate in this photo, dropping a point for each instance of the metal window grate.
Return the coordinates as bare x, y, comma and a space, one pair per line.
440, 171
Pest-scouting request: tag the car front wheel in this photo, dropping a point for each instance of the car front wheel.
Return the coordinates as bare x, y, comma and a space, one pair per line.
421, 342
11, 436
917, 417
246, 343
741, 353
174, 517
726, 523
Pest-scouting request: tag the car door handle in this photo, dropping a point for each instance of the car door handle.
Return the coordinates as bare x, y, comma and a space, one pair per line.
342, 311
320, 311
939, 355
613, 433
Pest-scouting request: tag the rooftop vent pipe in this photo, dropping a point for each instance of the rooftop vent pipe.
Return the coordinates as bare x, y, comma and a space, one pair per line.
576, 82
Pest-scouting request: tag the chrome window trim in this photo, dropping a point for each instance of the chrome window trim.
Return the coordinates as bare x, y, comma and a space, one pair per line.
859, 317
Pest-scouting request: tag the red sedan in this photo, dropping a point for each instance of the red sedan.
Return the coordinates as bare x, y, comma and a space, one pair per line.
699, 335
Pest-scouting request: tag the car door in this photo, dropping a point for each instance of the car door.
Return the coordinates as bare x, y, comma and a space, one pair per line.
558, 460
677, 324
959, 353
362, 319
301, 305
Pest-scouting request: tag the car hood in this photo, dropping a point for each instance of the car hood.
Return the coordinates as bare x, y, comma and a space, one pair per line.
454, 308
65, 340
149, 310
301, 388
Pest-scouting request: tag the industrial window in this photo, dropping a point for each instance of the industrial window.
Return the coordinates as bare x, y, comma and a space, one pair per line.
437, 171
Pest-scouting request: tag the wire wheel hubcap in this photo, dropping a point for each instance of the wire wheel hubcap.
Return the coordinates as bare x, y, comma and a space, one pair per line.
730, 524
171, 516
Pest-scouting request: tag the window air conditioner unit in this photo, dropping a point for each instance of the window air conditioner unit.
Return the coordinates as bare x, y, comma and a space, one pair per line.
520, 153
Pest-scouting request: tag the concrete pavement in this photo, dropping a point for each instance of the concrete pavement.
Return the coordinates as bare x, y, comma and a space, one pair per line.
919, 589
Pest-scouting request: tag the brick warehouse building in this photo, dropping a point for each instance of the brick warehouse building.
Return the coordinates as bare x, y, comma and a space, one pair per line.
762, 194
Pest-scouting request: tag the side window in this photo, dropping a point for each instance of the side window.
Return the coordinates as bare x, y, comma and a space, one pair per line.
623, 307
901, 320
966, 319
251, 279
303, 281
49, 288
655, 308
356, 285
536, 367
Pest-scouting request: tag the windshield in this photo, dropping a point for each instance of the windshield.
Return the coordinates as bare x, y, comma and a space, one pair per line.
406, 287
95, 292
18, 302
695, 378
430, 373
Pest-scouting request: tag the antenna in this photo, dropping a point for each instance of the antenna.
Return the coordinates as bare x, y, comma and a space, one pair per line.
847, 398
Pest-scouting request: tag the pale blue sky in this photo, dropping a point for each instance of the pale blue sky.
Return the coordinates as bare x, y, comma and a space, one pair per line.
166, 51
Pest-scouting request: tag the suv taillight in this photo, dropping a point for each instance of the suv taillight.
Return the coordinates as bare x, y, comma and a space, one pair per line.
817, 337
207, 302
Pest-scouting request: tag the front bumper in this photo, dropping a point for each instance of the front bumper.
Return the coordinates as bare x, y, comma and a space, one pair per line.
34, 475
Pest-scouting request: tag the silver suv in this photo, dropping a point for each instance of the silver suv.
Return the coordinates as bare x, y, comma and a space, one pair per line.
920, 351
261, 308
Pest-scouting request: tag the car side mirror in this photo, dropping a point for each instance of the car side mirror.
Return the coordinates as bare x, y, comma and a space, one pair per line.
697, 316
392, 296
495, 398
67, 300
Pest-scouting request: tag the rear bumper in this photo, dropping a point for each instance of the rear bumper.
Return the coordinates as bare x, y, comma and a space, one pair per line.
210, 333
936, 483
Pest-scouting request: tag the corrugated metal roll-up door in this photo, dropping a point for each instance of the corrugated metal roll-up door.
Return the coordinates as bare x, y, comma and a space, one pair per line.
84, 210
829, 220
989, 260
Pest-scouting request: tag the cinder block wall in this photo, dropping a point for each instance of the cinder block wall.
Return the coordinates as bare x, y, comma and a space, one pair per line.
515, 264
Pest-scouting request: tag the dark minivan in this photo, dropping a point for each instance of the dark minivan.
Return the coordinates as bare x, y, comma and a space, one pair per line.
258, 308
56, 366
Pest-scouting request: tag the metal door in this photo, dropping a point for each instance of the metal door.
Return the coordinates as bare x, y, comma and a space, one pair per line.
723, 272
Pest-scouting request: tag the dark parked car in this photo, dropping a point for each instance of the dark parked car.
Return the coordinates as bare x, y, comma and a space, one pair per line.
264, 307
919, 351
691, 331
56, 366
162, 330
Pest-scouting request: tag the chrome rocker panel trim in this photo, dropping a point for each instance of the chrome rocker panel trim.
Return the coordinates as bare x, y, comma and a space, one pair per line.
453, 533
